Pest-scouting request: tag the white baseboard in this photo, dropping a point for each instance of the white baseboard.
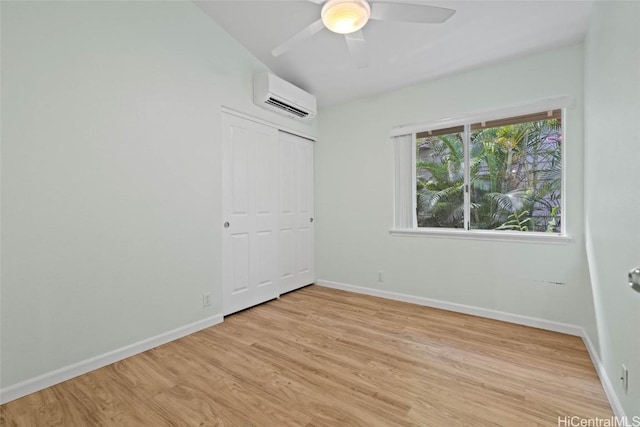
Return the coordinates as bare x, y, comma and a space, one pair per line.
460, 308
607, 385
564, 328
48, 379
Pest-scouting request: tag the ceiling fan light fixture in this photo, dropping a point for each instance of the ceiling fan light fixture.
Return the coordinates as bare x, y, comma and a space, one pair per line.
345, 16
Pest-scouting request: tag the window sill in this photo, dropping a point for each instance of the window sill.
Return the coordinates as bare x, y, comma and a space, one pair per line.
501, 236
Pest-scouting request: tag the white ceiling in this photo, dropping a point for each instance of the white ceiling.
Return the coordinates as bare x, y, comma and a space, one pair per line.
400, 54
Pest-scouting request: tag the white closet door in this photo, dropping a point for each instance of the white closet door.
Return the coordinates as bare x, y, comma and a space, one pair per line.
296, 212
250, 178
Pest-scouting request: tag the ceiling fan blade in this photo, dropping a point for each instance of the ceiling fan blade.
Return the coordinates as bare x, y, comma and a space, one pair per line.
298, 38
357, 48
404, 12
317, 1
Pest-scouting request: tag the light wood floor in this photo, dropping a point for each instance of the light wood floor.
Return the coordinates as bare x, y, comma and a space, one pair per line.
321, 357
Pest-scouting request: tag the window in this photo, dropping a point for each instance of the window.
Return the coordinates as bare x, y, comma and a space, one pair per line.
497, 173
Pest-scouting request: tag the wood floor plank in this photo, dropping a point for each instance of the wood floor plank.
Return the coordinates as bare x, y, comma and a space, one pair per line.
323, 357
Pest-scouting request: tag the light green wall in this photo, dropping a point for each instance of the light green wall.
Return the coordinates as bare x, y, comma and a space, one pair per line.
612, 183
354, 183
111, 174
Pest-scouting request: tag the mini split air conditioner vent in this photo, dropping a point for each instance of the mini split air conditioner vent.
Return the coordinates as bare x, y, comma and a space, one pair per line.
273, 93
293, 110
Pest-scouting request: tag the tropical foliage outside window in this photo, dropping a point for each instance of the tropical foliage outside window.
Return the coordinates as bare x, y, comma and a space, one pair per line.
514, 179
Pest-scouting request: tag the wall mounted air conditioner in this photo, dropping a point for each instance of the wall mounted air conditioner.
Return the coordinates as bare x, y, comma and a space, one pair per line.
273, 93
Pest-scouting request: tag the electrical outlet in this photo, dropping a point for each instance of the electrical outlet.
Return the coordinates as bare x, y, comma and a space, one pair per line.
380, 276
625, 378
206, 299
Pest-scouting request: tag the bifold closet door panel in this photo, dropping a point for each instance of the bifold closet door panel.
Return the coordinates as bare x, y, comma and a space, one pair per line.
250, 200
296, 212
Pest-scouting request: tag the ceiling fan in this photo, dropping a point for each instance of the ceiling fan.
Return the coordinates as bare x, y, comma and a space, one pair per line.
348, 17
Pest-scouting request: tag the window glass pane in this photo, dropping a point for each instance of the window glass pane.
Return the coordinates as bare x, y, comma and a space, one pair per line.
440, 178
516, 173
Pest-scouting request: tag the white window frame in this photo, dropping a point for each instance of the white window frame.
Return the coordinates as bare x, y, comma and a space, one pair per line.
504, 235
